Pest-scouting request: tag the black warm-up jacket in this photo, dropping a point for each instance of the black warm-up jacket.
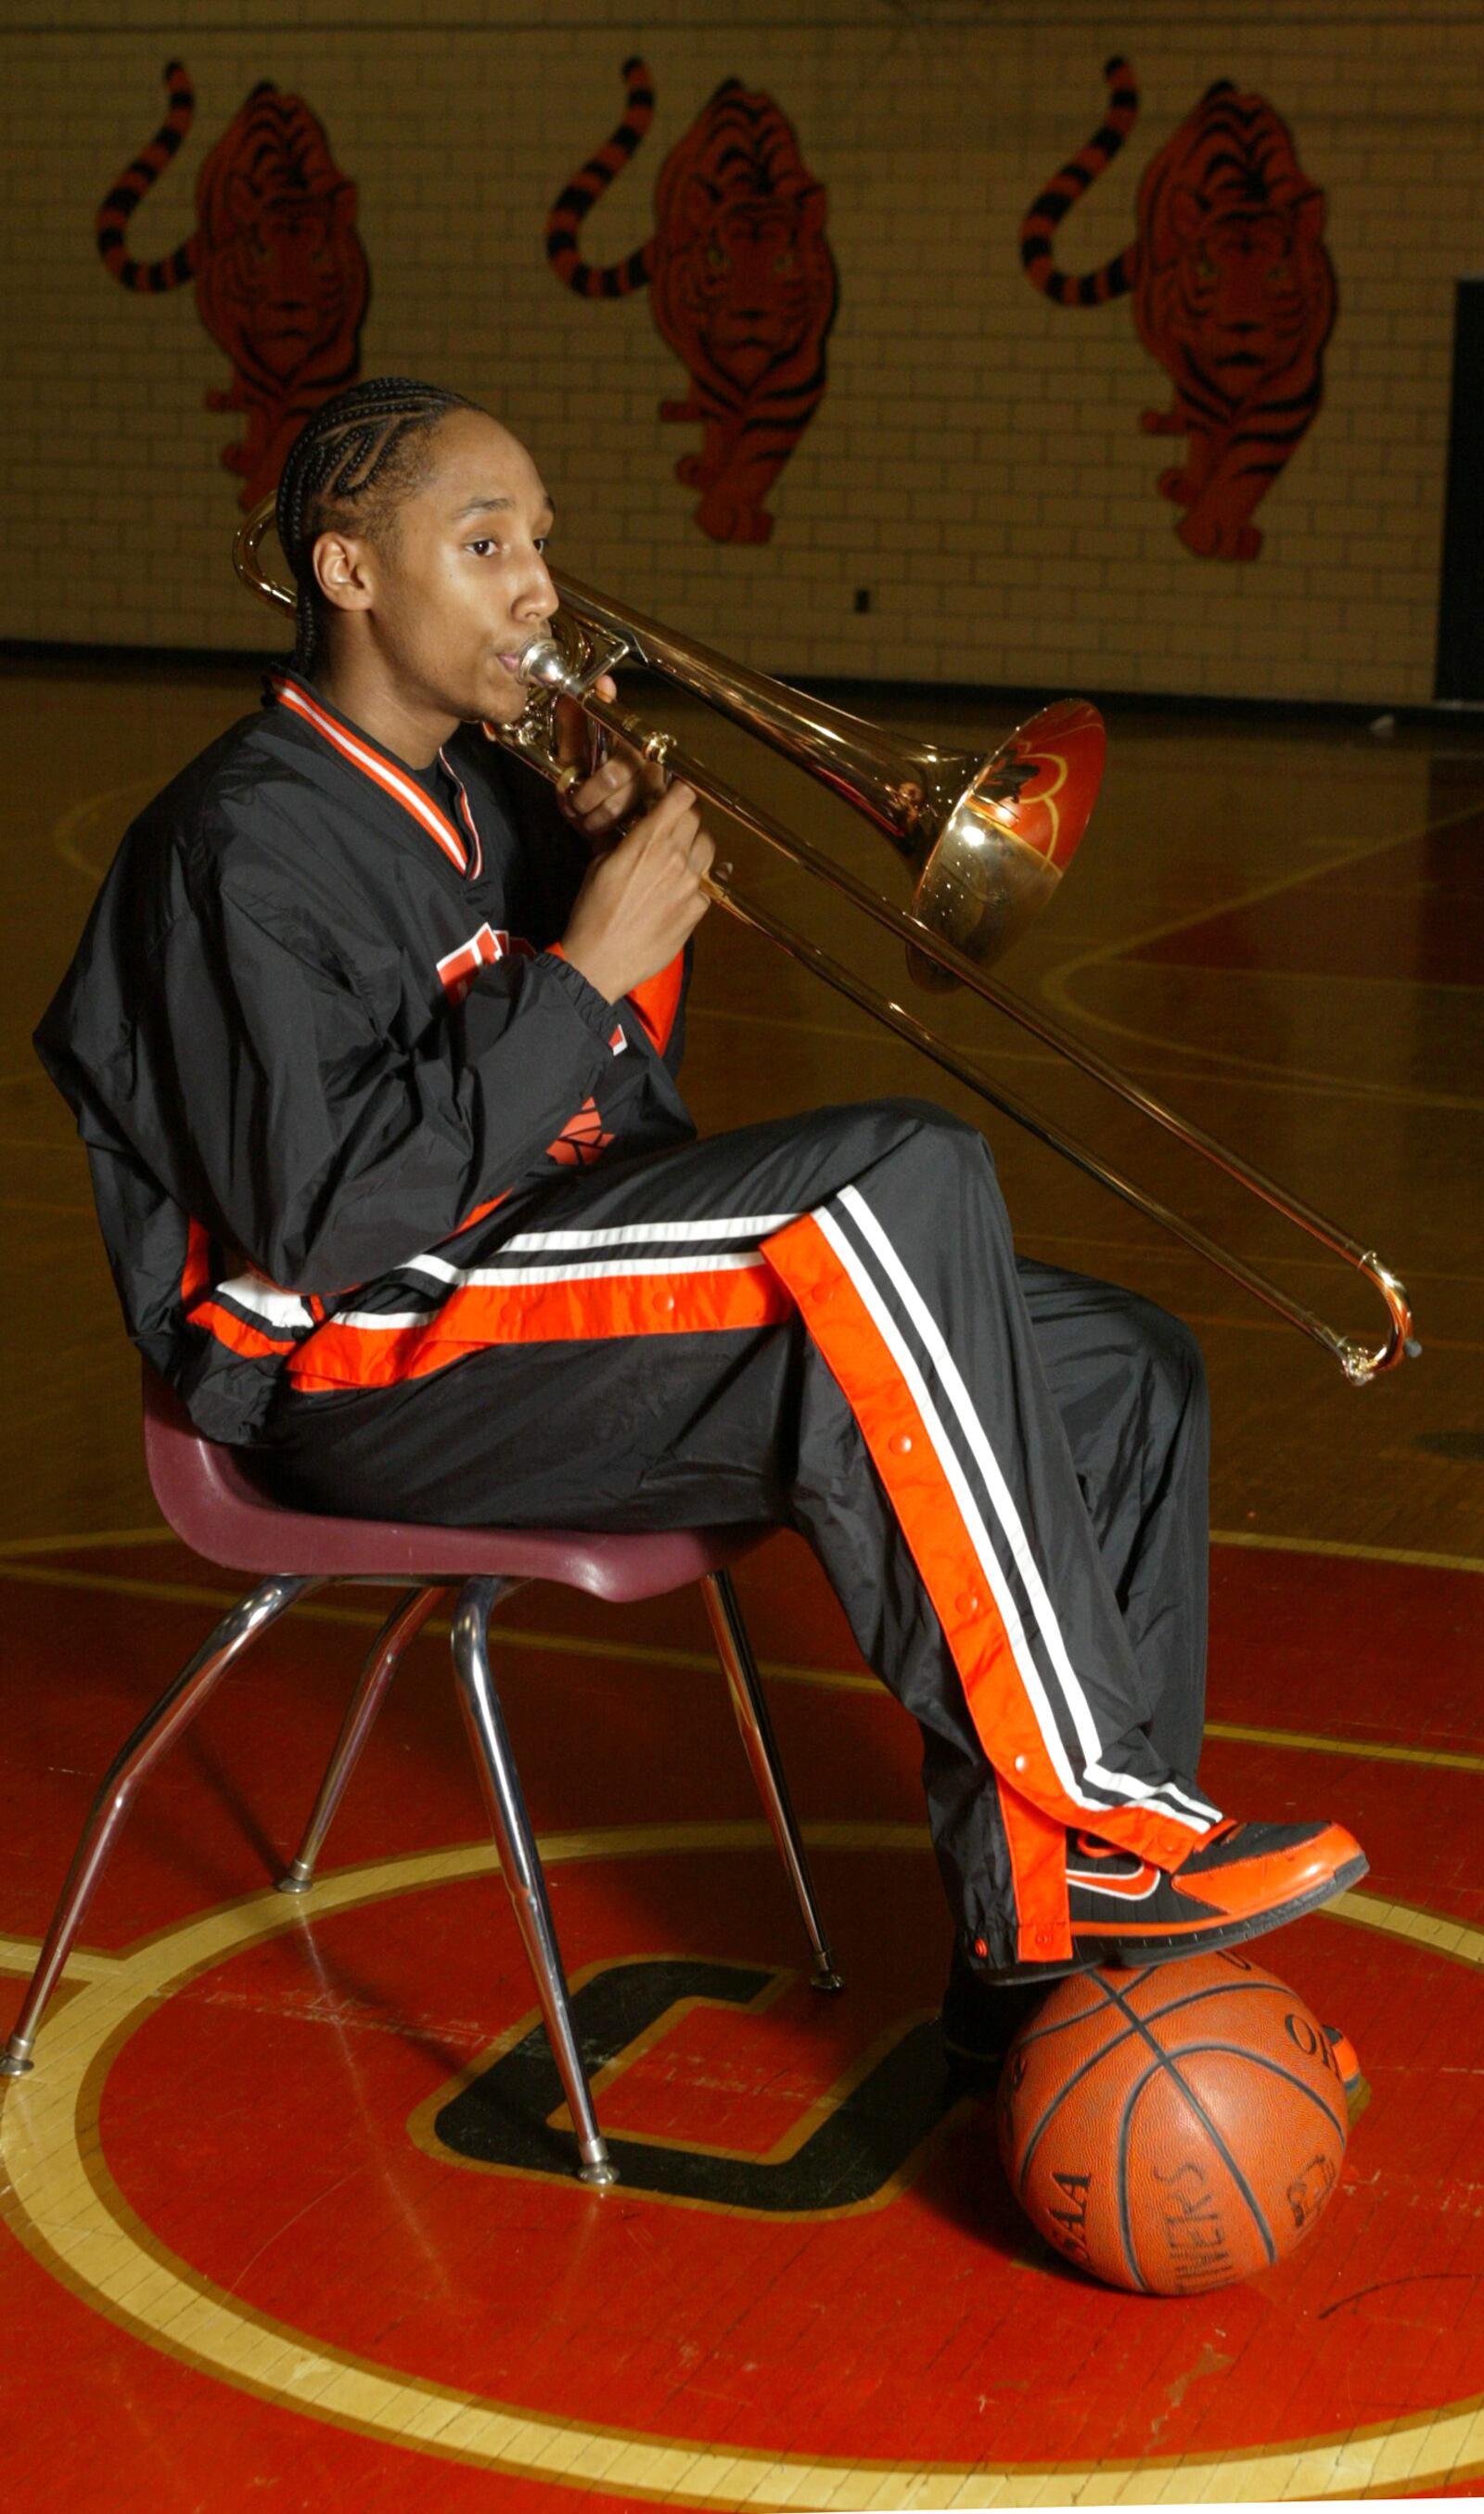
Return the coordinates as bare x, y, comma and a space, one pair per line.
317, 1025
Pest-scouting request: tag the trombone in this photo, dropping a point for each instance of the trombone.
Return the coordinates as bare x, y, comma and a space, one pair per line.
988, 839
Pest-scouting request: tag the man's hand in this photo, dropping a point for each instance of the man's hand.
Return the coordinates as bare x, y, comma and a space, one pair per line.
602, 802
642, 900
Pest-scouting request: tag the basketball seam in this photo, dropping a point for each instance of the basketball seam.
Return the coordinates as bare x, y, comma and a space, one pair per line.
1187, 1999
1213, 2134
1058, 2099
1275, 2068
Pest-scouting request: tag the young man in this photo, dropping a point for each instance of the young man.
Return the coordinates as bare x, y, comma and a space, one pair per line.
374, 1054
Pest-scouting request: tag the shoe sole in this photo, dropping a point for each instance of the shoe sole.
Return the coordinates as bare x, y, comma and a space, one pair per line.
1203, 1938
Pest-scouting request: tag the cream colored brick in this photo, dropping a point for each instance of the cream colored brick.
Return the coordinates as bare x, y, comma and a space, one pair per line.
972, 434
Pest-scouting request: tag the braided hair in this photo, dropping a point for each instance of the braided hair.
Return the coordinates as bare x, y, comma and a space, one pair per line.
345, 472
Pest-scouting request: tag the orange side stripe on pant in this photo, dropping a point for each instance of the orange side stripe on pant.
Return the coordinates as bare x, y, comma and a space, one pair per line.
1037, 1844
841, 1326
475, 1316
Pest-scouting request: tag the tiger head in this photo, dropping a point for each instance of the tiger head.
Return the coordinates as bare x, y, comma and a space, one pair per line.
1245, 281
283, 282
744, 278
755, 270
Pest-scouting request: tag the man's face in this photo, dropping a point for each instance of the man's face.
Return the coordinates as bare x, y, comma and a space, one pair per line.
458, 582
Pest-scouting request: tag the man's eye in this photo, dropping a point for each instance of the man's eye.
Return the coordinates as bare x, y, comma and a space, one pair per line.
541, 540
479, 547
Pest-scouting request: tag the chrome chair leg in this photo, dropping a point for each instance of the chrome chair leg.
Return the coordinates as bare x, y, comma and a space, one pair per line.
520, 1861
405, 1621
157, 1731
749, 1701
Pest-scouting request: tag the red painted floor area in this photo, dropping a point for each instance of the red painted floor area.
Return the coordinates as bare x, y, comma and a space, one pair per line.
266, 2128
1347, 926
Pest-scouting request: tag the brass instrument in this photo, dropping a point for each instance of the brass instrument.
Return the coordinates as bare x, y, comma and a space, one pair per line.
987, 840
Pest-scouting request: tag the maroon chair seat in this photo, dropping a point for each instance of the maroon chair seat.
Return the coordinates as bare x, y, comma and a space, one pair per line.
211, 1499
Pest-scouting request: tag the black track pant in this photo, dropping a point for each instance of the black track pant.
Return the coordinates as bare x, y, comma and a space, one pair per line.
822, 1322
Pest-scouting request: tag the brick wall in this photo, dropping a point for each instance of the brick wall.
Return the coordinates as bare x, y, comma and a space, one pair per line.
976, 465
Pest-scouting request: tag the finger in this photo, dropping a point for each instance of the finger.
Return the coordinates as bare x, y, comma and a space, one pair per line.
659, 822
673, 805
607, 785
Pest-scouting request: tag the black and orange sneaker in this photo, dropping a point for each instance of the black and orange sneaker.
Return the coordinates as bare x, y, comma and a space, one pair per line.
1240, 1879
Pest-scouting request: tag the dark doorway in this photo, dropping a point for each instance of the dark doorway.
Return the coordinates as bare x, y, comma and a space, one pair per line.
1461, 603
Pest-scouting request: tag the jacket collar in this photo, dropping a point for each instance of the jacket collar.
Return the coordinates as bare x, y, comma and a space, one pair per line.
289, 689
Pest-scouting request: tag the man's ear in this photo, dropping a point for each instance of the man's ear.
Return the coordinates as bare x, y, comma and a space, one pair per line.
342, 570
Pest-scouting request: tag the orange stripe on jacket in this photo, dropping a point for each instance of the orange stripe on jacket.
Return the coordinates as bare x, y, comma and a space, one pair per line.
475, 1316
196, 1272
846, 1335
235, 1333
656, 1001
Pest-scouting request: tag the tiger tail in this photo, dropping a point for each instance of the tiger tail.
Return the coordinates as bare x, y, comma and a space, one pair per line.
575, 199
173, 269
1067, 187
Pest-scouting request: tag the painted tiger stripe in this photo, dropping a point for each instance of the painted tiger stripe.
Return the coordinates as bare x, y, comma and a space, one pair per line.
591, 181
915, 1462
173, 269
1067, 187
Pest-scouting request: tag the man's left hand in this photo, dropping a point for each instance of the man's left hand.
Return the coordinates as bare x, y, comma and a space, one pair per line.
603, 802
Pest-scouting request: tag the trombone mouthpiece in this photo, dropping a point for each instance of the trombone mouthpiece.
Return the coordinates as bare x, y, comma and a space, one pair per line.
544, 664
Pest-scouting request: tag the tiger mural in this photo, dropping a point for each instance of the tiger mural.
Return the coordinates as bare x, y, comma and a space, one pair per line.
744, 287
1233, 293
280, 275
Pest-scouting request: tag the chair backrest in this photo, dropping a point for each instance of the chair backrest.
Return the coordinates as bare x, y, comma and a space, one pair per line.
211, 1500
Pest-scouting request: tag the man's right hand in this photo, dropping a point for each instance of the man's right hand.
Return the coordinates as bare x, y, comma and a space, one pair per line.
642, 900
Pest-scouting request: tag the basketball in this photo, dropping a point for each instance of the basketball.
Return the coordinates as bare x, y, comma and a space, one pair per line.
1176, 2129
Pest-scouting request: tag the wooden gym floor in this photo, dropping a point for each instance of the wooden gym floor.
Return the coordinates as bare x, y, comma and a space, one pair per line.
251, 2257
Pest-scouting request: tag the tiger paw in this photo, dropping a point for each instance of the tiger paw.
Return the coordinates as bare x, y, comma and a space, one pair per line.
727, 521
1210, 537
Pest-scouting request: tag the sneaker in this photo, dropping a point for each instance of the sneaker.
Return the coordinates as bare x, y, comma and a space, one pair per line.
1241, 1880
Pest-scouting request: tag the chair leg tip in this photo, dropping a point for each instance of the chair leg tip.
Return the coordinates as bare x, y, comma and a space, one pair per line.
595, 2166
291, 1882
15, 2064
826, 1979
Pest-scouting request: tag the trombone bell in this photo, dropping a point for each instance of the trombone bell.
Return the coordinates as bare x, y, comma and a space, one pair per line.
988, 839
1006, 841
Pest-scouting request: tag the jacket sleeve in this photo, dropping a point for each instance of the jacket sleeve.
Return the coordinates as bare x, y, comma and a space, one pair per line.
558, 857
322, 1148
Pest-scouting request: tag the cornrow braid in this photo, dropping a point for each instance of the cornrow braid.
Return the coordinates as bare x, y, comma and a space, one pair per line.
359, 446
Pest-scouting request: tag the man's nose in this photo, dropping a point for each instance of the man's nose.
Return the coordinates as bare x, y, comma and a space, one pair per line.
538, 598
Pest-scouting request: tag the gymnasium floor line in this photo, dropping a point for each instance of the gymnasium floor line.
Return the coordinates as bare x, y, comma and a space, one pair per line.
23, 1548
699, 1662
1056, 985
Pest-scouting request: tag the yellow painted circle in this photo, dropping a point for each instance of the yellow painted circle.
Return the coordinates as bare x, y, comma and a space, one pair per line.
63, 2205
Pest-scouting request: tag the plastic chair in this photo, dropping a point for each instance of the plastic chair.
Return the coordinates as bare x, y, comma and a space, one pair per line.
212, 1505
